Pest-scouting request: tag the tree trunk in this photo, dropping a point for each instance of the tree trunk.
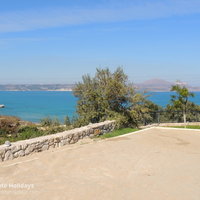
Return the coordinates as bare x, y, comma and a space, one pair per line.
184, 119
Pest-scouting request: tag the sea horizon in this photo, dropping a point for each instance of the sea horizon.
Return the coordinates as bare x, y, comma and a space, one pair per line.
35, 105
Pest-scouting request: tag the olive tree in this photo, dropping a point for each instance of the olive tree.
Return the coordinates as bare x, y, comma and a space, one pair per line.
109, 95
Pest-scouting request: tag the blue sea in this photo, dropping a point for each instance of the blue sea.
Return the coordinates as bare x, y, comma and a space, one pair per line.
33, 106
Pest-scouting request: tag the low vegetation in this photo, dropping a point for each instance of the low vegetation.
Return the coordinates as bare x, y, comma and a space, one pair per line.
188, 126
108, 96
9, 125
13, 129
118, 132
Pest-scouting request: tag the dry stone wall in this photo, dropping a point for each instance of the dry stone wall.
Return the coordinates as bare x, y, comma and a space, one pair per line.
26, 147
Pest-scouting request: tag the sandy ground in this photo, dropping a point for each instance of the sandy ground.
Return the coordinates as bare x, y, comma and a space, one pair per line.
156, 164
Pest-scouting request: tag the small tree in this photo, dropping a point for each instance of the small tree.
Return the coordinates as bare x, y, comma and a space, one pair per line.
67, 121
143, 111
176, 114
47, 121
55, 122
103, 96
109, 96
181, 99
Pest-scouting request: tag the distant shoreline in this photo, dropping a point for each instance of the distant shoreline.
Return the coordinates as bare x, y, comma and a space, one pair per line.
70, 90
154, 85
63, 90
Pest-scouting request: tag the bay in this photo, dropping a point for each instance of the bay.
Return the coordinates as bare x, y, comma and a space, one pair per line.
33, 106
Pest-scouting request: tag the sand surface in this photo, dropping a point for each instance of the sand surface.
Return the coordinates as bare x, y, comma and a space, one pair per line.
156, 164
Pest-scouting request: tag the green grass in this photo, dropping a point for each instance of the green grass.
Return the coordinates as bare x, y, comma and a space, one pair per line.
29, 132
32, 132
189, 126
118, 132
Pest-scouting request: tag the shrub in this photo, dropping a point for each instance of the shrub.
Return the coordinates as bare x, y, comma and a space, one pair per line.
53, 130
110, 95
28, 132
55, 122
47, 121
67, 121
9, 125
117, 132
31, 128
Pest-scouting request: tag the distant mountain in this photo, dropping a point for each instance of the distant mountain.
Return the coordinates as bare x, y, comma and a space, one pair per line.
37, 87
159, 85
153, 85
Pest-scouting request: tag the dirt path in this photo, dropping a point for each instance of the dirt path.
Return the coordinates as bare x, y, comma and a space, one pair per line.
157, 164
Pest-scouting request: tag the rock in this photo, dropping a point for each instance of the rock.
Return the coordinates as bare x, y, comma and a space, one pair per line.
29, 149
52, 146
63, 142
7, 143
90, 132
14, 149
97, 132
45, 147
2, 153
8, 155
58, 140
21, 153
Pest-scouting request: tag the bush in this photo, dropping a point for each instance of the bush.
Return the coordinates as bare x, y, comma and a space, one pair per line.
28, 132
47, 121
110, 95
9, 125
53, 130
55, 122
67, 121
28, 129
118, 132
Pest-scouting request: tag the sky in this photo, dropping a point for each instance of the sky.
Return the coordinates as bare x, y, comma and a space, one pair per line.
58, 41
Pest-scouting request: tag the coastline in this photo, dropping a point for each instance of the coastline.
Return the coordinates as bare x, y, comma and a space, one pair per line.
59, 90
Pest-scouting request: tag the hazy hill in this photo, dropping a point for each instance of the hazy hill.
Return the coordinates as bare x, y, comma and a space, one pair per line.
37, 87
154, 85
159, 85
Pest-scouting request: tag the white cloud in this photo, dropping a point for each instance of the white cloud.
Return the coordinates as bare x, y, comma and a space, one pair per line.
58, 17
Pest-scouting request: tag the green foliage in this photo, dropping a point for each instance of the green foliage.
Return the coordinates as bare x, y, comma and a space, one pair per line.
180, 105
23, 133
55, 122
109, 96
32, 131
52, 126
118, 132
28, 132
188, 126
67, 121
53, 130
180, 99
175, 114
9, 125
143, 111
47, 121
100, 96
